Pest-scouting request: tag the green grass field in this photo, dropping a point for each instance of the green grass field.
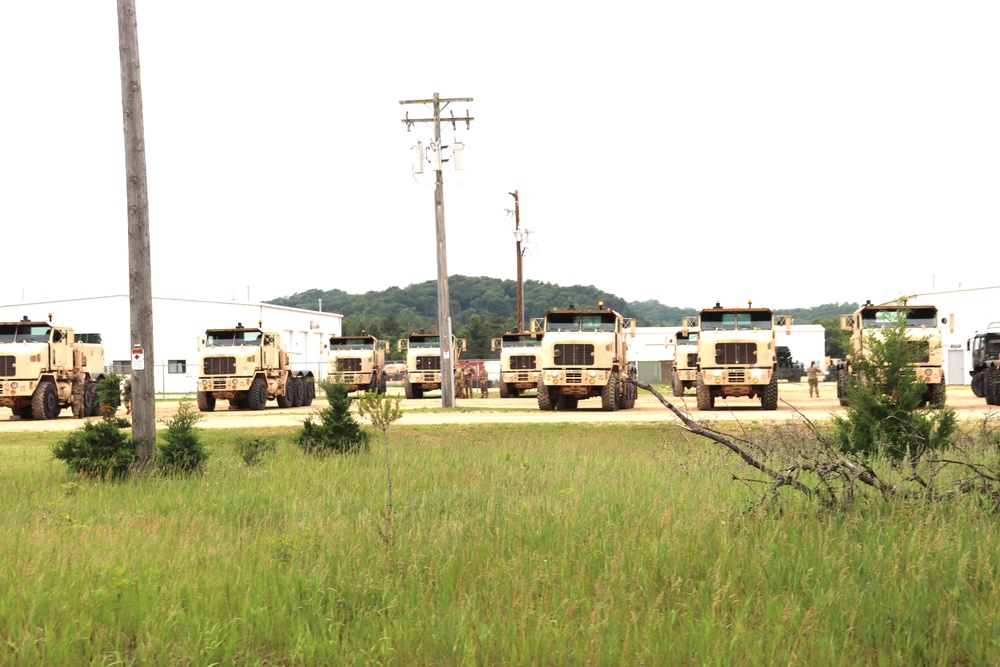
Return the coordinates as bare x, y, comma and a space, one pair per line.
540, 544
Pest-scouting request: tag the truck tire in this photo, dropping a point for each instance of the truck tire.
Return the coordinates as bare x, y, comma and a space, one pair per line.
703, 394
91, 406
990, 385
609, 394
545, 401
678, 386
408, 389
286, 399
382, 381
504, 391
206, 401
631, 391
842, 387
298, 393
936, 394
977, 385
257, 396
309, 391
769, 399
45, 401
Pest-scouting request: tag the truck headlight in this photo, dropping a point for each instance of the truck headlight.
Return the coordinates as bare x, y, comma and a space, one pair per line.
717, 373
593, 374
755, 372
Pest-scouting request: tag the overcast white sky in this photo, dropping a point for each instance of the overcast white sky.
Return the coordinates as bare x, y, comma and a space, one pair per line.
793, 153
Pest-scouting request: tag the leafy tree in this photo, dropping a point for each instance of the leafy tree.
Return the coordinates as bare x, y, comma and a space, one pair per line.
837, 341
884, 398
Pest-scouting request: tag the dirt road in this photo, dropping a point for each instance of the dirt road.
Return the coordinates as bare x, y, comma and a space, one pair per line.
792, 399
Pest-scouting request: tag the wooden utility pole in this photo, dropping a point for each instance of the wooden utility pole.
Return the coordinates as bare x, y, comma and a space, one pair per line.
520, 275
139, 268
444, 308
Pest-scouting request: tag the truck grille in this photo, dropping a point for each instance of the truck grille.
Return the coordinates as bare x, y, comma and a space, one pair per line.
8, 363
736, 353
692, 360
522, 362
349, 365
574, 377
219, 384
219, 366
428, 363
573, 354
737, 375
522, 376
918, 351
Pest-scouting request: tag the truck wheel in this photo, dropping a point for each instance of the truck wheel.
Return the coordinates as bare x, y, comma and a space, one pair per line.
45, 401
408, 389
769, 399
298, 392
703, 395
977, 384
257, 396
545, 401
309, 391
990, 385
382, 382
91, 406
504, 391
609, 394
629, 392
678, 386
206, 401
935, 395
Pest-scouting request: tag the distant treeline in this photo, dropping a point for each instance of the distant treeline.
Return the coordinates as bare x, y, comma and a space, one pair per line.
485, 308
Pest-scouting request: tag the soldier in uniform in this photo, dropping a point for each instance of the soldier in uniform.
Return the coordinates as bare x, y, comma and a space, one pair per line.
812, 374
484, 383
77, 393
127, 399
467, 381
459, 383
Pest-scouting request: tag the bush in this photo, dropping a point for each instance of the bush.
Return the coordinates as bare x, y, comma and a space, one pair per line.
337, 432
252, 450
109, 392
182, 450
100, 449
884, 397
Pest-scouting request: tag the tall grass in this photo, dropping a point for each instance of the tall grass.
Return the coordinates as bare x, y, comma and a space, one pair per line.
537, 544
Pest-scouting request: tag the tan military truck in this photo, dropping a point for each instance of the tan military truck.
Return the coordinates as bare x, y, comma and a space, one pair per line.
358, 362
520, 361
423, 362
36, 368
248, 367
737, 356
585, 353
923, 335
685, 370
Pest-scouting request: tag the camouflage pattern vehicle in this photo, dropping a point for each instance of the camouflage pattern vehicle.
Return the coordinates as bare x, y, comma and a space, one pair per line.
737, 356
924, 338
423, 362
358, 362
248, 367
36, 368
985, 348
520, 361
685, 371
584, 354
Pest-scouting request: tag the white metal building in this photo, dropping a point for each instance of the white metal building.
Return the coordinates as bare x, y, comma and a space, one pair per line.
179, 324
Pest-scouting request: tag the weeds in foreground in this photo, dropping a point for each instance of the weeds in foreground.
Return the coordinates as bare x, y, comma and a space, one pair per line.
382, 412
252, 450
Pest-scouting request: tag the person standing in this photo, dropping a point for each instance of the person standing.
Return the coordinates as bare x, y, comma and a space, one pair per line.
812, 374
459, 383
484, 383
127, 399
467, 382
78, 386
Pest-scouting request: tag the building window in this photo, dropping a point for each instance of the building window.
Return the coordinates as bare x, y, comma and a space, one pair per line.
122, 367
177, 366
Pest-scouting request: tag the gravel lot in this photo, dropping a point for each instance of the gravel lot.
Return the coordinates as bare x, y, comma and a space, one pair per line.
792, 399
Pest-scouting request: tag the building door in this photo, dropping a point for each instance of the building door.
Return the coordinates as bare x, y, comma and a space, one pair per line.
955, 368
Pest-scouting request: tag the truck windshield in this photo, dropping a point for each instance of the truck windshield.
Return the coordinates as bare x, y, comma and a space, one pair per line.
580, 321
425, 341
24, 333
690, 339
338, 344
889, 317
233, 338
737, 320
522, 341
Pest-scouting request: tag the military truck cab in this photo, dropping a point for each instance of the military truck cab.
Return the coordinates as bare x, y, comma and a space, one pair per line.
520, 361
423, 362
358, 362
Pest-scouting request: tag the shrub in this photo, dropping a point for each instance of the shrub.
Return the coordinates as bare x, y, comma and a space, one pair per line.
337, 431
252, 450
109, 392
100, 449
884, 396
182, 450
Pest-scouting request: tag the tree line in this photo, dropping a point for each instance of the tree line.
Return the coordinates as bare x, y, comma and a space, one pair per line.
483, 308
